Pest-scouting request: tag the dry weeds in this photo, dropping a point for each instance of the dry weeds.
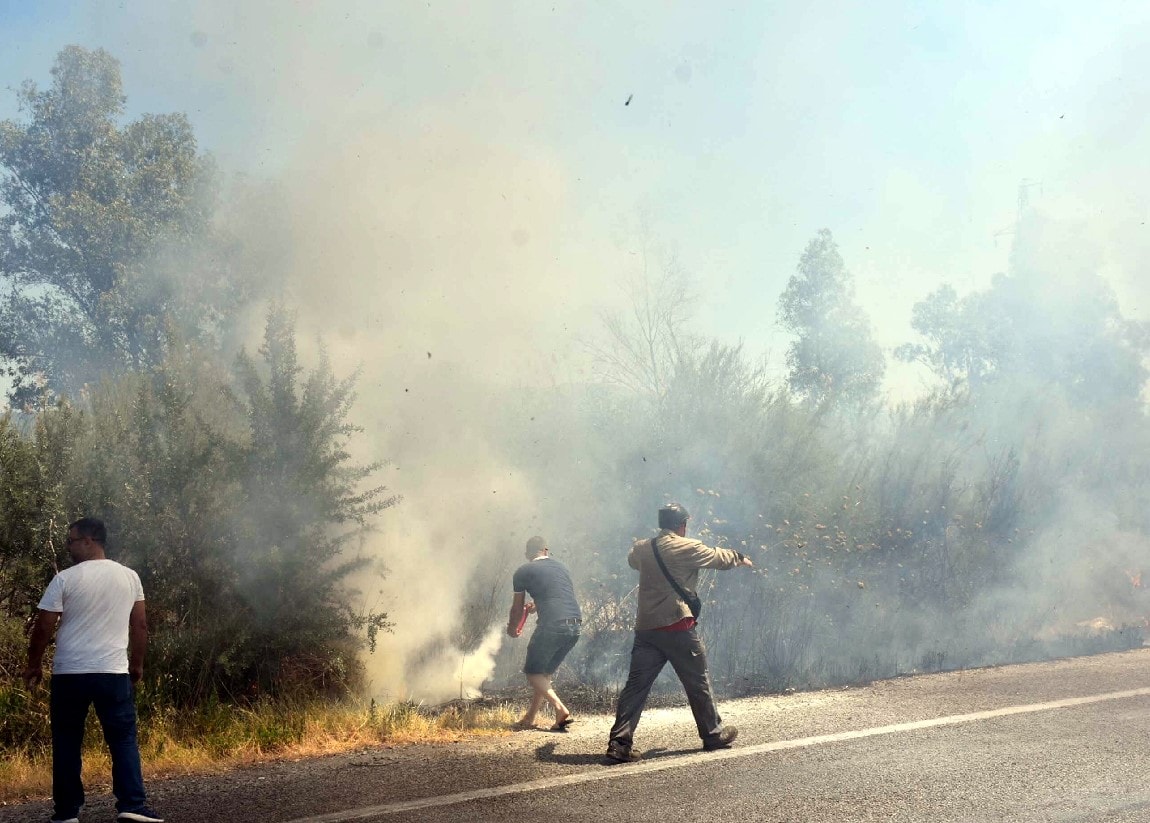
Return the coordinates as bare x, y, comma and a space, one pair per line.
169, 750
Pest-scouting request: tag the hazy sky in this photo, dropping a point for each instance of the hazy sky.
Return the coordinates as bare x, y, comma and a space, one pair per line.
904, 127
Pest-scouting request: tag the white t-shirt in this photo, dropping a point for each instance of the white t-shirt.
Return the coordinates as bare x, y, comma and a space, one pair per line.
95, 599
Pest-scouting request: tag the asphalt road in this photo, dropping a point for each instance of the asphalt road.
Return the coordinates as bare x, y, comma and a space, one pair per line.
1059, 741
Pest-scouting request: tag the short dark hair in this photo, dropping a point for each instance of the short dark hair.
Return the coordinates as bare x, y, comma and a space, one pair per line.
535, 545
672, 516
90, 527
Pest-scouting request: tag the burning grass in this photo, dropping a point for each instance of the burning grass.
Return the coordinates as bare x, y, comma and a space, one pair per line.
219, 737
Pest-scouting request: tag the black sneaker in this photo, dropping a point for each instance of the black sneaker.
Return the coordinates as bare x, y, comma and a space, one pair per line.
620, 753
144, 815
722, 740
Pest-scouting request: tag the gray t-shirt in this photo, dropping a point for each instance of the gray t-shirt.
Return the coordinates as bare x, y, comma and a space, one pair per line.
549, 584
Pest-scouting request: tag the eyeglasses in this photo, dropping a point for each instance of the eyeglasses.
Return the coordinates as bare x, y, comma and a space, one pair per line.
72, 540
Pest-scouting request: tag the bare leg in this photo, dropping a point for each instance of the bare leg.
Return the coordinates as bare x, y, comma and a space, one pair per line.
537, 698
544, 691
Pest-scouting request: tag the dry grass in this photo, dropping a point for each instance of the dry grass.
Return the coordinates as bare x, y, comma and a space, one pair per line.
225, 737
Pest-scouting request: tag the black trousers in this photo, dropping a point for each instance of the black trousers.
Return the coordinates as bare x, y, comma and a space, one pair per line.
688, 657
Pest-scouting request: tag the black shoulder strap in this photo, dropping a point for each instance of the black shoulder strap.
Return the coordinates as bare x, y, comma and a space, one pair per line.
679, 590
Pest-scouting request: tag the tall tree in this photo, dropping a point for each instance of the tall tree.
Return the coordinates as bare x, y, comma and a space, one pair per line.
835, 359
968, 339
646, 343
307, 504
84, 204
234, 496
1053, 320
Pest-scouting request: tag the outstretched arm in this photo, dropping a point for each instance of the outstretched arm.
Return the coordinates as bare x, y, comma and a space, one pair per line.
712, 558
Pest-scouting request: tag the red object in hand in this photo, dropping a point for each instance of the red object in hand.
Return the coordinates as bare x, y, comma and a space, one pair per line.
522, 622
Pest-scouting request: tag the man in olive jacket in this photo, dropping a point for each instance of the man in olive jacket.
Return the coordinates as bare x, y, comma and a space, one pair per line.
665, 630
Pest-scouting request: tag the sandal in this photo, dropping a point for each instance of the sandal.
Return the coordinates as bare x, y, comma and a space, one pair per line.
561, 726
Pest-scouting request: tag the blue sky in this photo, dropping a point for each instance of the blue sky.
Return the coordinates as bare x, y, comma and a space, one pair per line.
904, 127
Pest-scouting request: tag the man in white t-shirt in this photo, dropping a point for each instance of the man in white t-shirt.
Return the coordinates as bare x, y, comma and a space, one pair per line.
98, 606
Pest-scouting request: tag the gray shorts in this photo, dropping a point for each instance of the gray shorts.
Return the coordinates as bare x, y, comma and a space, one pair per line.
548, 646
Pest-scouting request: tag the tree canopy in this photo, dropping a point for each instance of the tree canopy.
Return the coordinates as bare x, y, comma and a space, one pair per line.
834, 359
1051, 320
85, 202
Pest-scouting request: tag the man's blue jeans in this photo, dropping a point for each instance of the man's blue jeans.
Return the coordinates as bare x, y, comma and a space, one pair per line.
115, 703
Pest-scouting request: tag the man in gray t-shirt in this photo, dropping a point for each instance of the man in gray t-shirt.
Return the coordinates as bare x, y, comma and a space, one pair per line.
556, 633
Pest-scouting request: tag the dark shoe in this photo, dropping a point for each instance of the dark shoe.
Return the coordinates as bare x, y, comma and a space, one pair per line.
722, 740
144, 815
620, 753
562, 725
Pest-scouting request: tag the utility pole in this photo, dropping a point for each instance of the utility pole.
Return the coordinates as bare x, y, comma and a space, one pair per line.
1024, 194
1024, 188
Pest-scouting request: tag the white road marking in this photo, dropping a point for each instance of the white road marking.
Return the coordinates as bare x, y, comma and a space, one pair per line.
646, 766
